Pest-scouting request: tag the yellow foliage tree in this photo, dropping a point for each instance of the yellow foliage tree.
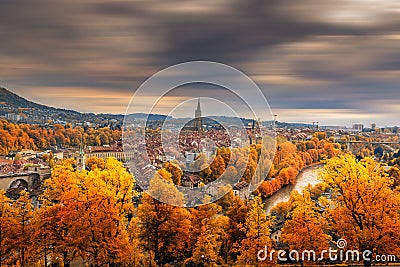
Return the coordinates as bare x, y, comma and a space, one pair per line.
88, 212
175, 171
23, 247
364, 210
258, 229
207, 249
95, 162
7, 224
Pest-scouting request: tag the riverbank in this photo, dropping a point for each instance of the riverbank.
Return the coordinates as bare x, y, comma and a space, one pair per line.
306, 176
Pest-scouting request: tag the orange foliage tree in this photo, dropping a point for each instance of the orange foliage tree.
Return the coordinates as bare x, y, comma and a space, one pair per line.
88, 212
364, 209
24, 136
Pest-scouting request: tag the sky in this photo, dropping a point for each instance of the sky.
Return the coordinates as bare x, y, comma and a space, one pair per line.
335, 62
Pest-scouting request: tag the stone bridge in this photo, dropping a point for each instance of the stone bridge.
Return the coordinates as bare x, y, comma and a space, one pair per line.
20, 180
387, 145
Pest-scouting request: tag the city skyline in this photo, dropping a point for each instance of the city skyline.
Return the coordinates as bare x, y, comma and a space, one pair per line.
335, 62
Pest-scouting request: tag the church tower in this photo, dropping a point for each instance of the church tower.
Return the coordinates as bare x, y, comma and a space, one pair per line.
80, 160
198, 122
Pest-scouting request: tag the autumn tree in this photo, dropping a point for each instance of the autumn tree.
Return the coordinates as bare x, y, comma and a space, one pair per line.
225, 153
207, 249
95, 162
258, 229
106, 203
320, 135
364, 209
217, 167
23, 244
394, 174
305, 228
203, 165
165, 229
175, 171
210, 234
7, 224
283, 150
89, 211
23, 136
61, 207
237, 214
137, 256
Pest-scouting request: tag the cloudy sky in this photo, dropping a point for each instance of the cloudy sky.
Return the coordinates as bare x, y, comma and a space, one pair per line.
336, 62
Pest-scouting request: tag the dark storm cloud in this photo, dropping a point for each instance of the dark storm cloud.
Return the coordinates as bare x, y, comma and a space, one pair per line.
233, 33
303, 54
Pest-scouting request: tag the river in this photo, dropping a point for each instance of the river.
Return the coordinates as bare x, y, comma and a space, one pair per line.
307, 176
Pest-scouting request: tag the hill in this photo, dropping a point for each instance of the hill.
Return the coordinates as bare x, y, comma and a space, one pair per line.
14, 100
31, 112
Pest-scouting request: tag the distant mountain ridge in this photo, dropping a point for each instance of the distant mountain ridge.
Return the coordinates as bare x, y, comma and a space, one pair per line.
11, 103
156, 117
31, 112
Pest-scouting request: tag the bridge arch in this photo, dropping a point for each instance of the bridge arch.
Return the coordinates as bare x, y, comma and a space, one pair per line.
14, 183
19, 184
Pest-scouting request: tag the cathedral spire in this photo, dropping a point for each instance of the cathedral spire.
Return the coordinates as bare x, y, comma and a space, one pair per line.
198, 123
198, 109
